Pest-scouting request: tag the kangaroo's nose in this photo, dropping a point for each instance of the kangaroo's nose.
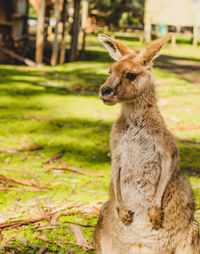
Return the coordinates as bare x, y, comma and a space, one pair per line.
107, 91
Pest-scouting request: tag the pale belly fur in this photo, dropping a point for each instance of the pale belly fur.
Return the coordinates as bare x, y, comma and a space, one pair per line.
150, 242
140, 170
140, 173
107, 248
138, 238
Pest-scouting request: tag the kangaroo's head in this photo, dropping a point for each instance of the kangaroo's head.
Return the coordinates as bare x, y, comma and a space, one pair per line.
130, 75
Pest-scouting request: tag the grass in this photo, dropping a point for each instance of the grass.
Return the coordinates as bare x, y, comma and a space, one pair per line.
69, 115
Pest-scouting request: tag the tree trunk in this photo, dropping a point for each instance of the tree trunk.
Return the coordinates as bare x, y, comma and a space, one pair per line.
62, 45
75, 31
84, 21
54, 56
40, 33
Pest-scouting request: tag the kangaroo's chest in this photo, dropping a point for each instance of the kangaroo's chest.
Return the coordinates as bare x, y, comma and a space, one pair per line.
139, 159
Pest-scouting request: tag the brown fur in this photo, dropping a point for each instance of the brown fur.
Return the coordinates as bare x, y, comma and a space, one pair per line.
151, 205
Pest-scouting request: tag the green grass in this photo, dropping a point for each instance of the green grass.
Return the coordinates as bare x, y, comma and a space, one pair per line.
73, 118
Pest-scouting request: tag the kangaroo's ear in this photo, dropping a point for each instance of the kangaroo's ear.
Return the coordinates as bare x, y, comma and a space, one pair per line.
152, 50
115, 48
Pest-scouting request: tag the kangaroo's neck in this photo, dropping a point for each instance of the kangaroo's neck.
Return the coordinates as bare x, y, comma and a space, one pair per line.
142, 109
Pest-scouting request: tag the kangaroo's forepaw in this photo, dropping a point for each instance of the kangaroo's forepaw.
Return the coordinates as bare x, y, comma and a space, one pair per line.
156, 216
125, 216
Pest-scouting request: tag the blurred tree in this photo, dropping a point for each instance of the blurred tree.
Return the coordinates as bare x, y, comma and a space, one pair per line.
75, 31
110, 11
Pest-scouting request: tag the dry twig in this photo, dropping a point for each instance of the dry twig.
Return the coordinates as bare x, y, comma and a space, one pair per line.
72, 169
42, 212
80, 239
21, 149
56, 156
31, 182
44, 238
33, 189
52, 214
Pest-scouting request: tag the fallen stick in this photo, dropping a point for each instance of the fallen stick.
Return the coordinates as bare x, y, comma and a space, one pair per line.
72, 169
80, 239
21, 149
31, 182
33, 189
22, 59
28, 221
44, 238
19, 223
44, 214
56, 156
51, 226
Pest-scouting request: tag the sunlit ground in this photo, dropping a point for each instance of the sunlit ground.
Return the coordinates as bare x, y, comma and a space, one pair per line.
59, 109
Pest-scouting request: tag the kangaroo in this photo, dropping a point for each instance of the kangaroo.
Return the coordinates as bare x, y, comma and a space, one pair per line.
151, 205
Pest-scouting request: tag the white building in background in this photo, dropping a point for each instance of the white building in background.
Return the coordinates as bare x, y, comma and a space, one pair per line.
177, 13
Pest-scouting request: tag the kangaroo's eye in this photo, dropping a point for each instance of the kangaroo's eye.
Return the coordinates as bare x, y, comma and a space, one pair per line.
131, 76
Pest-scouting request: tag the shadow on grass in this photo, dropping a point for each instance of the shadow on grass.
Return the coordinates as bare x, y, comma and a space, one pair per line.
32, 82
97, 149
185, 41
23, 84
127, 38
186, 68
84, 140
101, 56
190, 159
